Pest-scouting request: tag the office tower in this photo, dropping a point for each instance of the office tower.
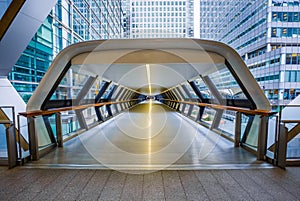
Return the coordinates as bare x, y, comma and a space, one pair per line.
211, 13
69, 22
161, 19
266, 35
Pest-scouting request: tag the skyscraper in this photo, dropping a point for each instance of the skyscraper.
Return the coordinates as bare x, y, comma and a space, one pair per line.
161, 18
266, 34
70, 21
210, 15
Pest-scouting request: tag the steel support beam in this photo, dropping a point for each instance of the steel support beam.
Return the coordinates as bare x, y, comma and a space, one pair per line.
81, 119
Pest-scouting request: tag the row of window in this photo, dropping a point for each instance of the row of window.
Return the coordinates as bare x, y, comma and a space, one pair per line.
285, 3
157, 25
157, 9
265, 63
251, 41
257, 52
237, 14
292, 76
292, 58
165, 20
285, 16
158, 3
260, 22
153, 35
282, 32
142, 31
161, 14
267, 78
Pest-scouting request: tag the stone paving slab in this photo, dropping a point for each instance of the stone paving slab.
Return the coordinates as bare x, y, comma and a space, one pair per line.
78, 184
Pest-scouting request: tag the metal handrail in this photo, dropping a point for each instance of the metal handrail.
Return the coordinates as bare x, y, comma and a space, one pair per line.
225, 107
63, 109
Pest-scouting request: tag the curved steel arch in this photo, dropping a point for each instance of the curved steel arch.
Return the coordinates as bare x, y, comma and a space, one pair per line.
207, 53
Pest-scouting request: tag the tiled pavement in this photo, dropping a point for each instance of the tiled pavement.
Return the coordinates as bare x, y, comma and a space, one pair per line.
77, 184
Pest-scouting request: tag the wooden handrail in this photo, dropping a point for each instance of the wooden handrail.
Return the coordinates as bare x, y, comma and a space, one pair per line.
225, 107
213, 106
63, 109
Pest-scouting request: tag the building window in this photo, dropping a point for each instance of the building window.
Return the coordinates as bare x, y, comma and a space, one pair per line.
292, 58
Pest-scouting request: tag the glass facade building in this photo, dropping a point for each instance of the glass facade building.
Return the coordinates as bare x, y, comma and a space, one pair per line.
266, 35
161, 19
70, 21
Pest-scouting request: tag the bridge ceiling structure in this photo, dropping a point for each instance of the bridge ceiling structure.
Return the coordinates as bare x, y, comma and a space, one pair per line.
151, 67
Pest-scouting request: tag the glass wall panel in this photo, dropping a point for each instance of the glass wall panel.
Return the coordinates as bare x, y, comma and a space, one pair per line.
195, 112
119, 107
227, 123
43, 135
252, 136
186, 109
180, 107
208, 115
113, 109
3, 144
244, 122
90, 116
271, 131
293, 148
103, 111
69, 121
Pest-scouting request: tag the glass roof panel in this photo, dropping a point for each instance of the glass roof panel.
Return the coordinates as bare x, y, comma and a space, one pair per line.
203, 88
226, 84
70, 85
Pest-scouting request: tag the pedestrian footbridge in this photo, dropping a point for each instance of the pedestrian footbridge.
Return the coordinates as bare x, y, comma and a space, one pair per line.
151, 103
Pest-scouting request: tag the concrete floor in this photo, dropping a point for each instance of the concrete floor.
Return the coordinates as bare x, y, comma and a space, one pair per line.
64, 184
149, 137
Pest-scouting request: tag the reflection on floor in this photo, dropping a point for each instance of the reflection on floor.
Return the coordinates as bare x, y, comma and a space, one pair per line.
149, 136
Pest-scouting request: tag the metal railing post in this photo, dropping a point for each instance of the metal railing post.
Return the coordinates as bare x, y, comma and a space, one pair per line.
237, 130
33, 139
262, 138
11, 146
19, 137
59, 129
281, 146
